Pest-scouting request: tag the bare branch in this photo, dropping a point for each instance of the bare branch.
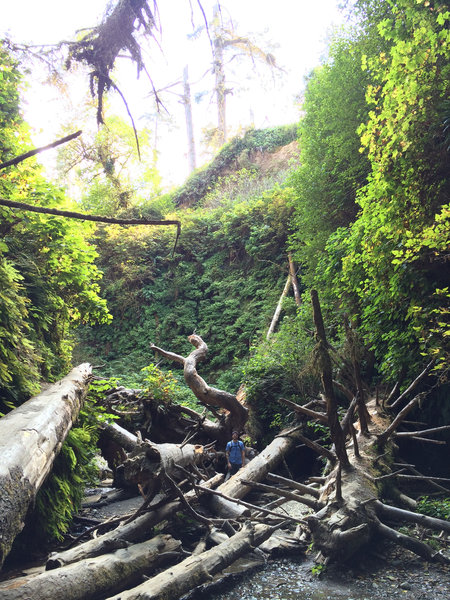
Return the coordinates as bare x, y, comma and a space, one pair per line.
318, 448
383, 437
403, 434
319, 416
286, 494
410, 543
22, 157
290, 482
323, 357
407, 515
412, 386
82, 217
252, 506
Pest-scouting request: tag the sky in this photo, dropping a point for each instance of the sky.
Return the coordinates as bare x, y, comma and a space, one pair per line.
295, 31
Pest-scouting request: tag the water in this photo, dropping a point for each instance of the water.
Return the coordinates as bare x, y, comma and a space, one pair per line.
284, 579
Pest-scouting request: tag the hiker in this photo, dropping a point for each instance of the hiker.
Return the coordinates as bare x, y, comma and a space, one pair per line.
235, 453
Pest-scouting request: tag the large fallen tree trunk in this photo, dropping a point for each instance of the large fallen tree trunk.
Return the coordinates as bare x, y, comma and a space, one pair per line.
147, 464
30, 438
199, 568
97, 577
256, 470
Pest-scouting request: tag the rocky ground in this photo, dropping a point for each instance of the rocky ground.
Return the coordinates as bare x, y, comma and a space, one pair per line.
396, 575
384, 572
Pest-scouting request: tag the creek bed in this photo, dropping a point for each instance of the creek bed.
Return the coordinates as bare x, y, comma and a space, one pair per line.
292, 579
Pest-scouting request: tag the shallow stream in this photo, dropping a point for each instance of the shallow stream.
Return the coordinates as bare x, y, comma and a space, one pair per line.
292, 579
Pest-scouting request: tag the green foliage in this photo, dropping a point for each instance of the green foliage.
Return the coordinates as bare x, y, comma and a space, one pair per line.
382, 268
61, 495
254, 140
278, 368
48, 279
391, 267
223, 281
165, 387
434, 507
317, 570
332, 169
106, 167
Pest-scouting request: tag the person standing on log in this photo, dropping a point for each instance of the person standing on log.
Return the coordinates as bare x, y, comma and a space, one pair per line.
235, 453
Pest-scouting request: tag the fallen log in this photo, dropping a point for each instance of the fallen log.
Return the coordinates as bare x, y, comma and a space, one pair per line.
134, 531
30, 438
147, 462
352, 515
256, 470
199, 568
95, 577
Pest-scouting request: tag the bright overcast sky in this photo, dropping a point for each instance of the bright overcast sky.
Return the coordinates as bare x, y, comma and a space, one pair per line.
296, 30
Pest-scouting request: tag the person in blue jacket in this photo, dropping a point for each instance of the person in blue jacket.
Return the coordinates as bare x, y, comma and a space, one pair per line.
235, 453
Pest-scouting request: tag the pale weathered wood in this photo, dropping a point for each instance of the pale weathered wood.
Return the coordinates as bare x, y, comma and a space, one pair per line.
256, 470
148, 462
95, 577
276, 314
209, 396
198, 568
30, 438
134, 531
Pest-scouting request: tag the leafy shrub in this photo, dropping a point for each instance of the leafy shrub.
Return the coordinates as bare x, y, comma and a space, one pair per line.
165, 387
433, 507
202, 180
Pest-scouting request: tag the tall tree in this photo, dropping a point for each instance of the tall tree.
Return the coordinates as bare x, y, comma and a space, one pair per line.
224, 38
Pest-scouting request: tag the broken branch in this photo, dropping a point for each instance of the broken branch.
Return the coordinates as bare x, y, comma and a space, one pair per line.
22, 157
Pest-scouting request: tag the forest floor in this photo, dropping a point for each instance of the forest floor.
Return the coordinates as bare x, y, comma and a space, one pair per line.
384, 572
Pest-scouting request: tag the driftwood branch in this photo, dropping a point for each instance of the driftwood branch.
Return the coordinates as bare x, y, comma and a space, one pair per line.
249, 505
389, 431
399, 514
22, 157
276, 314
295, 286
305, 489
318, 416
318, 448
404, 434
285, 493
411, 387
209, 396
412, 544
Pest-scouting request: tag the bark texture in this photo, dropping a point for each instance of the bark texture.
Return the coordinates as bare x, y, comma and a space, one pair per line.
31, 436
96, 577
199, 568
